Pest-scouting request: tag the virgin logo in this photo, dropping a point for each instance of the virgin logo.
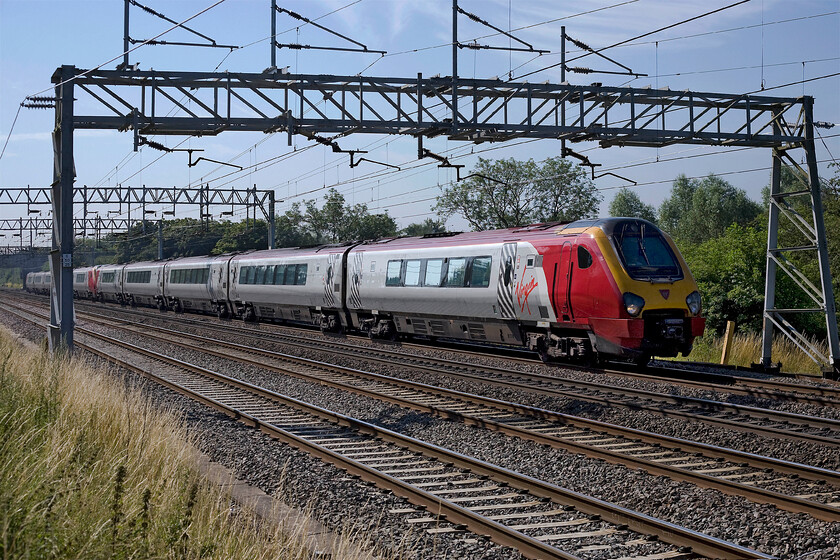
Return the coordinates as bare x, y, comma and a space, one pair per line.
523, 291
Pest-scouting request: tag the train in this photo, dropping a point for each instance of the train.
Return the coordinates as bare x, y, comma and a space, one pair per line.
606, 288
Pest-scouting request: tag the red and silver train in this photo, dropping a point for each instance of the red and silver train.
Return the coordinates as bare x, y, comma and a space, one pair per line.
614, 287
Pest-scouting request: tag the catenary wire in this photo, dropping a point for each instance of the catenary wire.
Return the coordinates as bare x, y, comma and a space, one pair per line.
671, 26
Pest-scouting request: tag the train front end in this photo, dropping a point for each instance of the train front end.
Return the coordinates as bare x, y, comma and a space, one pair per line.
659, 304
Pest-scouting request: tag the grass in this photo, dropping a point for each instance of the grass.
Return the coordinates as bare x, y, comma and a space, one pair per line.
90, 469
746, 349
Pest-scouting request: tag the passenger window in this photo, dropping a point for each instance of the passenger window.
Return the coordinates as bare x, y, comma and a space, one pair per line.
412, 273
584, 257
289, 275
279, 272
249, 275
456, 273
260, 278
480, 274
392, 277
373, 266
434, 271
269, 274
300, 280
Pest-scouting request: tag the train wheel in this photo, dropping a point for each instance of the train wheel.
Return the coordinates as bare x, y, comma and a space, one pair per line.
222, 311
542, 351
161, 305
178, 307
249, 316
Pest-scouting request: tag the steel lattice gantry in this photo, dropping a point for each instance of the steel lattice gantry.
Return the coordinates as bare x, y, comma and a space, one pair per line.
203, 197
202, 103
143, 195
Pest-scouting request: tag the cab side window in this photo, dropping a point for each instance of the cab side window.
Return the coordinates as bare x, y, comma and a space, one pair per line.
584, 257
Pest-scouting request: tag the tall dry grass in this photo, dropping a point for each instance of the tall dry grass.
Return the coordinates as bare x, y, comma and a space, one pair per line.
746, 349
89, 469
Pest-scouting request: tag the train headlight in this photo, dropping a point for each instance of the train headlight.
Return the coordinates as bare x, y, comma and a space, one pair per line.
694, 302
633, 303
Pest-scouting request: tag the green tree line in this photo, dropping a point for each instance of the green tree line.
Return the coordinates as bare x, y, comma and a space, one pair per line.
304, 224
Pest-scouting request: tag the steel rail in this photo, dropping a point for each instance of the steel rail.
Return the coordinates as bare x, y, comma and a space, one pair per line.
542, 385
754, 493
768, 389
667, 532
529, 546
718, 382
541, 382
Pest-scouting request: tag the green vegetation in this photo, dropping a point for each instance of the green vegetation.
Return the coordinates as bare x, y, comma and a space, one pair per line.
746, 347
91, 470
302, 225
507, 193
699, 210
723, 237
10, 278
628, 204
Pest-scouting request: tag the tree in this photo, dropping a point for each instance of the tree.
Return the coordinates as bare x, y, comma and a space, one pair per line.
429, 225
336, 222
700, 210
290, 230
729, 271
831, 207
628, 204
242, 236
371, 226
507, 193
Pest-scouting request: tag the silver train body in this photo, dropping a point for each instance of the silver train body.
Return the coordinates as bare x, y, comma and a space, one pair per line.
445, 289
38, 282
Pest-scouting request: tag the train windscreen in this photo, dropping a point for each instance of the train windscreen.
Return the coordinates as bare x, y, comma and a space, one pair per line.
644, 252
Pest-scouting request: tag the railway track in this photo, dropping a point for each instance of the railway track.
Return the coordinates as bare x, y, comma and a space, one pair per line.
731, 416
826, 395
449, 492
790, 486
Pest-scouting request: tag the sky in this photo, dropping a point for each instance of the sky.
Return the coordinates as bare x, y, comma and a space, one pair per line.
760, 44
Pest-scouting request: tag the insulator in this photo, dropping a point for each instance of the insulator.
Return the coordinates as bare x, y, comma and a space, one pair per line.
39, 104
41, 98
579, 70
579, 44
153, 144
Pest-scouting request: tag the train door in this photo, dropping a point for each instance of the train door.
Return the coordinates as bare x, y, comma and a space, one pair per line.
218, 279
562, 283
162, 272
507, 273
